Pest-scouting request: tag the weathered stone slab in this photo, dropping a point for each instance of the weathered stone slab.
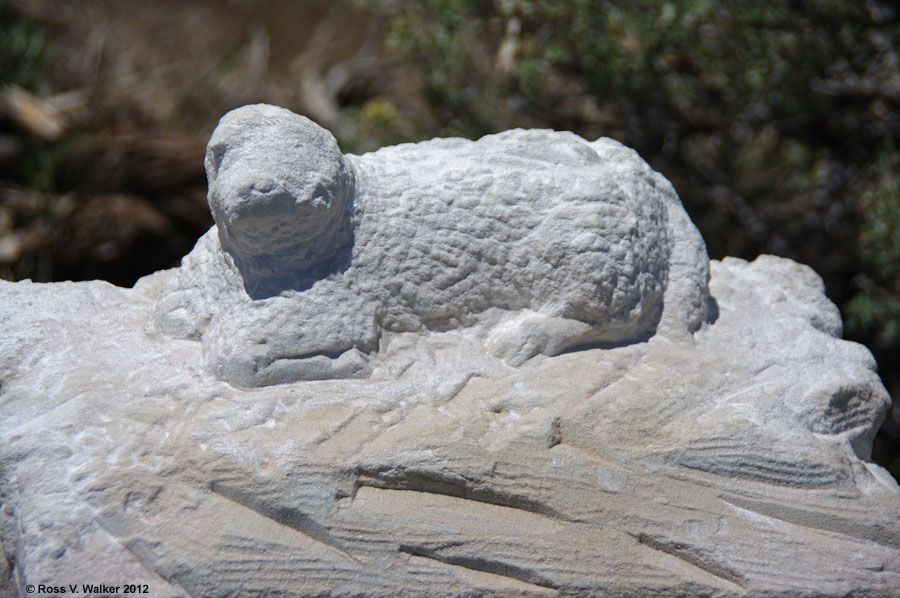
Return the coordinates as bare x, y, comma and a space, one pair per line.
610, 425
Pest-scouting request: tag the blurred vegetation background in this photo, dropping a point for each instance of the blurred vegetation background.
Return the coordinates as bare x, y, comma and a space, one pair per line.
777, 122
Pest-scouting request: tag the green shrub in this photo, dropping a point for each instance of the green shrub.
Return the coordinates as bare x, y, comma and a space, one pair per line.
874, 310
24, 51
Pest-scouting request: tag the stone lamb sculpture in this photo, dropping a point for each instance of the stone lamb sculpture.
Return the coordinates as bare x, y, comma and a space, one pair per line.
711, 448
542, 241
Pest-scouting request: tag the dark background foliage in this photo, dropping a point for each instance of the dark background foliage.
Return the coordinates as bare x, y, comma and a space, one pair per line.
776, 121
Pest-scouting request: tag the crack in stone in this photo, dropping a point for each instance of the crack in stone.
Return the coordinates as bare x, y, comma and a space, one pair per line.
427, 482
816, 521
481, 565
289, 517
681, 552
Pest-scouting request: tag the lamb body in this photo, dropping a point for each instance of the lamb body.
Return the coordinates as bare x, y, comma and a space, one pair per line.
546, 241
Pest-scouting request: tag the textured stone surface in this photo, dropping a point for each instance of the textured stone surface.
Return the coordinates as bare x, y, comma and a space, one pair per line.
540, 239
724, 460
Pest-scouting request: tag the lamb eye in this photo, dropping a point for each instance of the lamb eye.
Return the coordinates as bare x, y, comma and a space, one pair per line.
215, 154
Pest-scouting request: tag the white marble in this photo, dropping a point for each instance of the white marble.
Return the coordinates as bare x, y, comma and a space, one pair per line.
543, 241
506, 405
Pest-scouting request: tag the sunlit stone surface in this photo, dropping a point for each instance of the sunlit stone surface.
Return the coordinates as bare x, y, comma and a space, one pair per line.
492, 368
